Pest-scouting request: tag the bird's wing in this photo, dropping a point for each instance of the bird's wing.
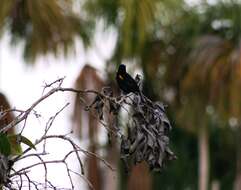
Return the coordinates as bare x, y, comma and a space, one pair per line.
131, 82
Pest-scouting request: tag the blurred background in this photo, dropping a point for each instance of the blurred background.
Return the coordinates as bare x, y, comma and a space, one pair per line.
188, 53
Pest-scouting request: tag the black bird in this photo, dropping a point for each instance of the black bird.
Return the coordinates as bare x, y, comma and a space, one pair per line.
126, 83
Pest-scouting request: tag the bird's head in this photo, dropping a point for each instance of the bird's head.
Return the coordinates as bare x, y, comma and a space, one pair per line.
122, 68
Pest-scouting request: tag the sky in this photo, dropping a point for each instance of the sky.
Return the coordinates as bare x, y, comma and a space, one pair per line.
23, 85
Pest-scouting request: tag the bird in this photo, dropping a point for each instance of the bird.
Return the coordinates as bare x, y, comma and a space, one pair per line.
125, 82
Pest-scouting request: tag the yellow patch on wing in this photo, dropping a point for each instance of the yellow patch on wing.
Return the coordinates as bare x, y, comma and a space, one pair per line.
121, 77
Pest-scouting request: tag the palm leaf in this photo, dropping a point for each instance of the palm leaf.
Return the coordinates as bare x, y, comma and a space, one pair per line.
45, 26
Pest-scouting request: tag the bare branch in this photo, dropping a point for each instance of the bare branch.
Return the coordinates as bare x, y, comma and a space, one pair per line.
147, 138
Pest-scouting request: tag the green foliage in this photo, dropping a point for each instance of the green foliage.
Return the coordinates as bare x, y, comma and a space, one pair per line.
222, 154
223, 19
26, 141
10, 144
200, 57
5, 146
15, 144
45, 26
134, 21
108, 10
6, 6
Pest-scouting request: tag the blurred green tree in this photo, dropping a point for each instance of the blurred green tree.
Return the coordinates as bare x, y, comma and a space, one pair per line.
204, 51
132, 20
44, 26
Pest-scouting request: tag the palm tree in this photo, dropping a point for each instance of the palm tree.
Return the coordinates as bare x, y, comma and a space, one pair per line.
87, 74
206, 58
133, 20
44, 26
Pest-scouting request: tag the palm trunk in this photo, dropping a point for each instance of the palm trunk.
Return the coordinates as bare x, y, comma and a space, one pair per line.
203, 149
140, 178
94, 170
111, 181
4, 104
215, 185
